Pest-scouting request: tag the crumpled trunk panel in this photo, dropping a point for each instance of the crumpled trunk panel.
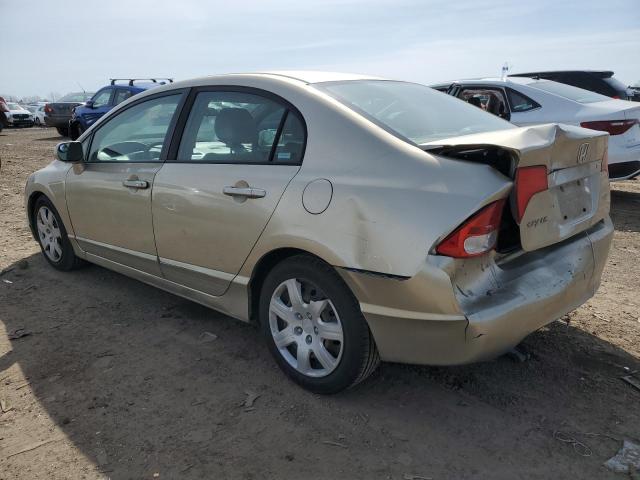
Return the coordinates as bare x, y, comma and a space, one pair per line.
577, 196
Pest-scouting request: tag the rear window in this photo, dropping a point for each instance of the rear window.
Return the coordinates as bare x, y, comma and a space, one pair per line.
616, 84
412, 111
567, 91
76, 97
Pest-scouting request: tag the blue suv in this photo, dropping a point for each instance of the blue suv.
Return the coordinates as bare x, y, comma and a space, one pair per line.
105, 99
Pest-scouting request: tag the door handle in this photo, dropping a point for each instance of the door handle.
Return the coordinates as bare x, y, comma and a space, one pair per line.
135, 183
247, 192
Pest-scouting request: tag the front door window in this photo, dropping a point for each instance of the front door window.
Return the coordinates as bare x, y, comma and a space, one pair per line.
137, 134
102, 98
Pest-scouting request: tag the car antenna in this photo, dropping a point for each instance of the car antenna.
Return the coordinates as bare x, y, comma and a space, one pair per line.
81, 87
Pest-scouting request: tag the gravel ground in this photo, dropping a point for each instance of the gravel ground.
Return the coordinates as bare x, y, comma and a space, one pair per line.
116, 380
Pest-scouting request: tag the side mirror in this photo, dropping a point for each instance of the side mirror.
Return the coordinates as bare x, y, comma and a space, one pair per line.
70, 152
89, 104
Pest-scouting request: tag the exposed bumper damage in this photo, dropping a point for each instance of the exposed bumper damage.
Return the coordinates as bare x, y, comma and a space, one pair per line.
477, 310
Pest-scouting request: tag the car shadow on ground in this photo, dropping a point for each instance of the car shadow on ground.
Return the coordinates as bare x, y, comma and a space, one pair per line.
49, 139
131, 376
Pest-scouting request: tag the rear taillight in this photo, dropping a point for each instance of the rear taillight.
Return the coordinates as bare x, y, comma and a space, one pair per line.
529, 181
605, 161
614, 127
476, 236
48, 109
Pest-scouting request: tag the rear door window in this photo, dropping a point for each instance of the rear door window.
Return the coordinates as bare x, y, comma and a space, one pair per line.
121, 95
290, 146
239, 127
519, 102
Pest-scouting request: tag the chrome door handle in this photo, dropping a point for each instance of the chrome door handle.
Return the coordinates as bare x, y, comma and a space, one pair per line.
136, 183
247, 192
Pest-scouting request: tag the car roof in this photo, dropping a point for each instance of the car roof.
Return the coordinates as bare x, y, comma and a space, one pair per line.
597, 73
299, 77
303, 76
313, 76
497, 81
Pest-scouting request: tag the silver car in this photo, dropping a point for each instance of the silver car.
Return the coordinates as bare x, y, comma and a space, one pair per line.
353, 219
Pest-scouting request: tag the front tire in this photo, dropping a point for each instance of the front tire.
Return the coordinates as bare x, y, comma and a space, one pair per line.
314, 327
52, 237
63, 131
75, 130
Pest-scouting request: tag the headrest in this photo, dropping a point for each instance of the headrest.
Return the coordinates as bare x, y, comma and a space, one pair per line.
475, 101
493, 104
236, 125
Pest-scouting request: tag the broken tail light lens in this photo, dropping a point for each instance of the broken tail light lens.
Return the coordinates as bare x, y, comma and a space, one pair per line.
613, 127
529, 181
477, 236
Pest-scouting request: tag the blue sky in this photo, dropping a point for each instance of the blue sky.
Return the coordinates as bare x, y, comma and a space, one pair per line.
51, 46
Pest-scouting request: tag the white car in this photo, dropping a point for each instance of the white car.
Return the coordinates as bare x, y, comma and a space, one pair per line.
38, 115
529, 101
18, 116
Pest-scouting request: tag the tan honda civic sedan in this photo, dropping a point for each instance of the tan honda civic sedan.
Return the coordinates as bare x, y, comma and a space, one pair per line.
354, 219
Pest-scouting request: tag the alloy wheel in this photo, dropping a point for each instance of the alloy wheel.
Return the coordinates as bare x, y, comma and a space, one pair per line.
306, 328
49, 234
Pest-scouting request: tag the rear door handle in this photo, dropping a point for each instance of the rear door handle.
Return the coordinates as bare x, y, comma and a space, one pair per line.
247, 192
135, 183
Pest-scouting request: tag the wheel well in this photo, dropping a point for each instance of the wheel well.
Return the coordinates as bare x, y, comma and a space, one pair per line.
260, 272
30, 206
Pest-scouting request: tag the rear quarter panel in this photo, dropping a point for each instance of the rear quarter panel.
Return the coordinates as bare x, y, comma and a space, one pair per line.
391, 201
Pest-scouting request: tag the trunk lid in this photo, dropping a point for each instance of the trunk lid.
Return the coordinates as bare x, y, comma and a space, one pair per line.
632, 113
577, 196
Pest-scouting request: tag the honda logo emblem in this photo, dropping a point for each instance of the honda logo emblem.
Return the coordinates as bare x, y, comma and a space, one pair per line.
583, 152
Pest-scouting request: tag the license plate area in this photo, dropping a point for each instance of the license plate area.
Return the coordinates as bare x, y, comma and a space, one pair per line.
575, 200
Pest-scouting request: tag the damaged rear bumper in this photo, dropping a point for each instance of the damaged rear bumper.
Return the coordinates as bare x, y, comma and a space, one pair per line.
481, 308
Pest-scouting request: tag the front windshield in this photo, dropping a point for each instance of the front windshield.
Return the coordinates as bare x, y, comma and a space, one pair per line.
412, 111
567, 91
14, 106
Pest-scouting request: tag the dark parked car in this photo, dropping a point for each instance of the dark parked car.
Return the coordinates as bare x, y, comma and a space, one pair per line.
105, 99
58, 114
4, 108
598, 81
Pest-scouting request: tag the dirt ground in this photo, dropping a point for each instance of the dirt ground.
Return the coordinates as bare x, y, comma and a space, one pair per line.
116, 380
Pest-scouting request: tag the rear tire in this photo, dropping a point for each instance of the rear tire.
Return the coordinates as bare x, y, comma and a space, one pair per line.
63, 131
52, 237
317, 334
